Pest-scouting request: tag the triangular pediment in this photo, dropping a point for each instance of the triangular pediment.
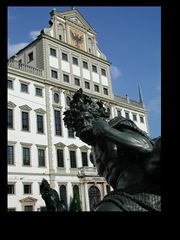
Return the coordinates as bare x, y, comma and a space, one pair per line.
60, 144
84, 148
25, 107
28, 199
40, 110
11, 104
76, 18
72, 146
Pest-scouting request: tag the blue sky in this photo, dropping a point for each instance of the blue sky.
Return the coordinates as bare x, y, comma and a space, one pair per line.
130, 37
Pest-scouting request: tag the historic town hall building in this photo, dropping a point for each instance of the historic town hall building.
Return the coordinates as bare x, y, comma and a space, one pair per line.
42, 77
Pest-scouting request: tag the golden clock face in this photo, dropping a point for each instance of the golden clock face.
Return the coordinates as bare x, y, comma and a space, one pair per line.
77, 38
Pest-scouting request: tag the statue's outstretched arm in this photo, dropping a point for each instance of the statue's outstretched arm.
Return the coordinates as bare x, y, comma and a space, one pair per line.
127, 137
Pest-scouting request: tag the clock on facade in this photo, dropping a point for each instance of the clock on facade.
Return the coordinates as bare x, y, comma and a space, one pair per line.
77, 38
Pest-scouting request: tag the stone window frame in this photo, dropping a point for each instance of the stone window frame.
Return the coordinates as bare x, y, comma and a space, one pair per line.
14, 184
13, 143
30, 57
73, 147
76, 63
103, 70
27, 145
141, 118
118, 110
94, 66
83, 64
40, 87
58, 108
54, 70
29, 184
42, 147
134, 115
60, 146
105, 91
40, 112
127, 112
11, 106
54, 49
63, 54
66, 187
25, 83
98, 88
11, 79
89, 84
27, 109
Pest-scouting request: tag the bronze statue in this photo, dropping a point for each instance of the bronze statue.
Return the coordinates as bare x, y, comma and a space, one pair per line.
123, 154
51, 198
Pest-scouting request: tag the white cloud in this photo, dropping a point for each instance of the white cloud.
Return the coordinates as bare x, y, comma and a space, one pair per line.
115, 72
34, 34
14, 48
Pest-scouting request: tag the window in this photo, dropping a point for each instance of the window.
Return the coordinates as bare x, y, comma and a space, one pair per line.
60, 158
119, 112
30, 57
73, 159
85, 65
57, 115
27, 188
56, 97
10, 155
77, 81
141, 119
94, 68
75, 61
127, 115
84, 159
38, 92
76, 190
87, 85
63, 194
103, 72
60, 37
26, 156
68, 100
25, 121
10, 84
64, 57
54, 74
41, 157
66, 78
134, 117
24, 87
10, 118
53, 52
96, 88
28, 208
105, 91
40, 124
70, 132
10, 189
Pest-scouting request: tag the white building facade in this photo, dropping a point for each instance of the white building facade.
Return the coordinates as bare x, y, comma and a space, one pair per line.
42, 77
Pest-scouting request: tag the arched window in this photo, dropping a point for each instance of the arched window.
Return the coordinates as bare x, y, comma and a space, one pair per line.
63, 193
94, 197
61, 32
68, 99
90, 45
108, 189
76, 190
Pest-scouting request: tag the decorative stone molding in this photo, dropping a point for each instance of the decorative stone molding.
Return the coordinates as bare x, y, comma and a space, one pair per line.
25, 108
40, 110
84, 147
28, 199
11, 104
60, 145
41, 146
26, 144
72, 146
